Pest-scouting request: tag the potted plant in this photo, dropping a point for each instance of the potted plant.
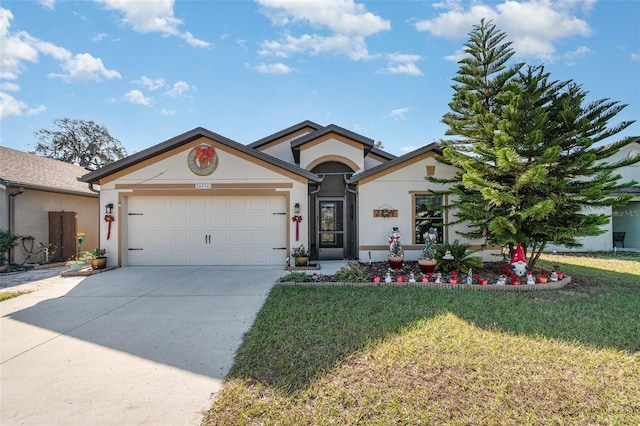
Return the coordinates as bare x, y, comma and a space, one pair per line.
98, 258
301, 256
559, 273
75, 265
543, 278
426, 262
396, 254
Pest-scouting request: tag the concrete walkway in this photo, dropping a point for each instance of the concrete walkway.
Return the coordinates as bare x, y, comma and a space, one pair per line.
134, 346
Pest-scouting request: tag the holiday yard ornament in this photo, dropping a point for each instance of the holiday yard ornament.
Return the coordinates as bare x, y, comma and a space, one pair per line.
394, 241
396, 254
518, 264
202, 160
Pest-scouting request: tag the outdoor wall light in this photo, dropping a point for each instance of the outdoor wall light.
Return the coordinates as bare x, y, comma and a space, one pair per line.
108, 208
296, 208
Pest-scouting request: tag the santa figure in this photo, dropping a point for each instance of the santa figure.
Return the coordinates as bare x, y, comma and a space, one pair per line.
518, 265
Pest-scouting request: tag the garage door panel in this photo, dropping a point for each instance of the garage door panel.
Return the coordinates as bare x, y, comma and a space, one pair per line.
175, 231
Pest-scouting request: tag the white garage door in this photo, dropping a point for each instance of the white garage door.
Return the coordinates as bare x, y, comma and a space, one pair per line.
206, 230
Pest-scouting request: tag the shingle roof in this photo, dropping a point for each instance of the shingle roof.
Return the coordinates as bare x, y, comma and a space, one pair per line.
18, 168
284, 132
398, 160
187, 137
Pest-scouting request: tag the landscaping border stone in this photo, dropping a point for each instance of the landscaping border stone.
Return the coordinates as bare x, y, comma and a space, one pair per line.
554, 285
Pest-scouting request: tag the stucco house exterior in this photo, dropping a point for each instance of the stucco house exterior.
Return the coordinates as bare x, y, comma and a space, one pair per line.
42, 198
203, 199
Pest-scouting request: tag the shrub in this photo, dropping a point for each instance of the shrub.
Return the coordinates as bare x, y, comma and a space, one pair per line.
7, 242
352, 272
462, 259
296, 277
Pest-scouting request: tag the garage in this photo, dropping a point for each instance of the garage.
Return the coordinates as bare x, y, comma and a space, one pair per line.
206, 230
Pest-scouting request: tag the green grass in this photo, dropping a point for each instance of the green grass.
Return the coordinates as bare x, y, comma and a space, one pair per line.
394, 355
11, 294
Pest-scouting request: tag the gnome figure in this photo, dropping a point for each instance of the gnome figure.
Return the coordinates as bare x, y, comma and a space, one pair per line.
518, 265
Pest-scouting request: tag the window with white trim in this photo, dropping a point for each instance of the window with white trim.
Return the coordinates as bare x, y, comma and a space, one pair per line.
428, 211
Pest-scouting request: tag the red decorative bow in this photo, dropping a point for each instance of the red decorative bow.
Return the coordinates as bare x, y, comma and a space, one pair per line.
297, 219
204, 154
108, 218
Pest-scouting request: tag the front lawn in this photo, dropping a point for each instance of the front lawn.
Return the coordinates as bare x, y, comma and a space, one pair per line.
394, 355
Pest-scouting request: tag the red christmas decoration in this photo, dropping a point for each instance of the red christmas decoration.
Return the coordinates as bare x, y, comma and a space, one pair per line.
204, 155
297, 219
109, 219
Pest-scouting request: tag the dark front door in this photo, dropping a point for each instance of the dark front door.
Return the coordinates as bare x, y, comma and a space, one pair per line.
330, 226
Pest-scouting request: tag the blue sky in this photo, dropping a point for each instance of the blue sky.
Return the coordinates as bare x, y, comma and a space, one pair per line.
151, 70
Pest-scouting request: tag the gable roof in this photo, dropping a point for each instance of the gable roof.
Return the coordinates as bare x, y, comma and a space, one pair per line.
331, 128
381, 153
396, 161
23, 169
187, 137
285, 132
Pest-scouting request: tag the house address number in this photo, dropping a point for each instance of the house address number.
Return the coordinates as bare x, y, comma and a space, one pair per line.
203, 186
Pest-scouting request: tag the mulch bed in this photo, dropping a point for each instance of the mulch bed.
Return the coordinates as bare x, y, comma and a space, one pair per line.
490, 271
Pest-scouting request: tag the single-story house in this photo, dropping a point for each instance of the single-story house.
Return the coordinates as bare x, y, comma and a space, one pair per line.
43, 199
201, 198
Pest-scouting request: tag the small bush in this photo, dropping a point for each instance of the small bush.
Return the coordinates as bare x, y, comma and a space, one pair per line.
352, 272
7, 242
462, 259
296, 277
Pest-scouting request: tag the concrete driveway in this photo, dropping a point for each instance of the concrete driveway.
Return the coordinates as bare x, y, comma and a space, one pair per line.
132, 346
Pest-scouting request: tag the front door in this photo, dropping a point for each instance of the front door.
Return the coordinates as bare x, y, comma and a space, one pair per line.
330, 226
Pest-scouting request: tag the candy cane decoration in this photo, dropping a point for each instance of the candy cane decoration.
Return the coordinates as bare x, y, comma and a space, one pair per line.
297, 219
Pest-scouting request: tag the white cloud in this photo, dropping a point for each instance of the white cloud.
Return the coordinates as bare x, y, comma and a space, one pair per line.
635, 56
137, 97
9, 87
570, 57
347, 22
398, 113
48, 4
84, 67
15, 50
278, 68
354, 47
10, 106
167, 112
150, 83
152, 16
99, 37
341, 16
36, 110
457, 56
21, 47
179, 88
533, 26
399, 63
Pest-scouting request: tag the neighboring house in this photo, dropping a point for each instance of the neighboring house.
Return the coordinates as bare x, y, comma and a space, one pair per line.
201, 198
626, 219
43, 199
